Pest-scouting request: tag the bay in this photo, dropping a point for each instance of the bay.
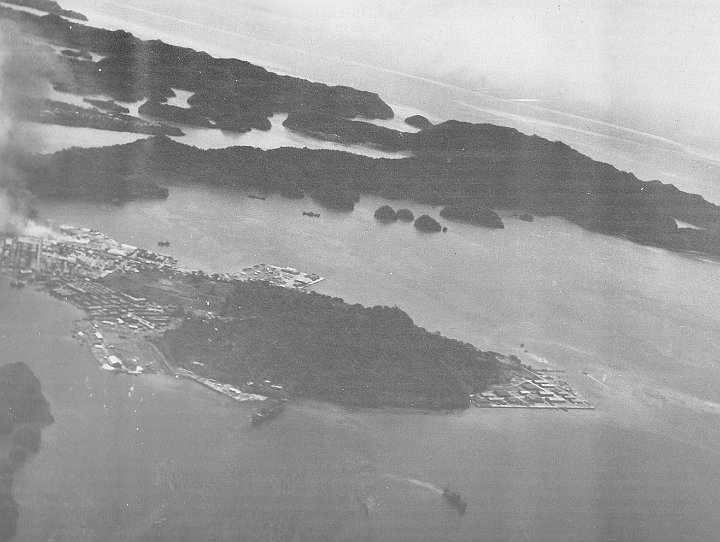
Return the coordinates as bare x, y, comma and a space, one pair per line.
642, 466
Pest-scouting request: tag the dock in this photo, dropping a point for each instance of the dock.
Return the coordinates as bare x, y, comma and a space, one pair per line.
532, 389
225, 389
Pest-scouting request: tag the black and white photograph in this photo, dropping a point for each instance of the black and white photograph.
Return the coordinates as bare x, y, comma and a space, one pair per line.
359, 271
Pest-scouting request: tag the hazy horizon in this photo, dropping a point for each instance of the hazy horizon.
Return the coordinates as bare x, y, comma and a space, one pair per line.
643, 65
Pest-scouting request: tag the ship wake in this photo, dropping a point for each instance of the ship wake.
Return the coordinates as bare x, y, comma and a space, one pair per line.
413, 481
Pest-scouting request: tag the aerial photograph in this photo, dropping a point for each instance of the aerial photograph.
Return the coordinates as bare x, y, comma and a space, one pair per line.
319, 271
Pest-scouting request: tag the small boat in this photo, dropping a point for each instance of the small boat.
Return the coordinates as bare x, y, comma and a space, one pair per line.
266, 413
253, 196
163, 243
17, 283
455, 500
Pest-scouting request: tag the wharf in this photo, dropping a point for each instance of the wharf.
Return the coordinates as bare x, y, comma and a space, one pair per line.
287, 277
532, 389
225, 389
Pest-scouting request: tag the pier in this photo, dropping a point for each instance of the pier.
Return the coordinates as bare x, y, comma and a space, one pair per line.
225, 389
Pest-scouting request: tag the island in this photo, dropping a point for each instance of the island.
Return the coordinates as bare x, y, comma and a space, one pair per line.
474, 213
418, 121
427, 223
24, 411
405, 215
386, 214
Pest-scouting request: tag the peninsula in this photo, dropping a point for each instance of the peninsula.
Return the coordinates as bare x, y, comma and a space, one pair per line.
260, 333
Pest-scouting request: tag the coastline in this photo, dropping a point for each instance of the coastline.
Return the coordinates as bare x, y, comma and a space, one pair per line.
690, 172
135, 298
566, 452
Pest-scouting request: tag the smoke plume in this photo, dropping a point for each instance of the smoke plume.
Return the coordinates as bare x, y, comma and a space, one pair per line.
25, 69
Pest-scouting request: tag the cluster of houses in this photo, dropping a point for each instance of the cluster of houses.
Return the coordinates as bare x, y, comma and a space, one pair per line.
108, 306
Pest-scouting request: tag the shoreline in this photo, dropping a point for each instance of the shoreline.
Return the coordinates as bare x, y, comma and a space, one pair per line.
88, 269
114, 320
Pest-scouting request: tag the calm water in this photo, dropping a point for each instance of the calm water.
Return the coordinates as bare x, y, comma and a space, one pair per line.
643, 466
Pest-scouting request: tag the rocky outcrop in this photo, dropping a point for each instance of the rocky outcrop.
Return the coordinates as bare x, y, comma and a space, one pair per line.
418, 121
427, 223
406, 215
473, 213
385, 214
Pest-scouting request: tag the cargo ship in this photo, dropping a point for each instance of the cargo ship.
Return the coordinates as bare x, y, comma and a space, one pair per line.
266, 413
455, 500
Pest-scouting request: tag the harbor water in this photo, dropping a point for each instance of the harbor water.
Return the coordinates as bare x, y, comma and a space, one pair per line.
158, 459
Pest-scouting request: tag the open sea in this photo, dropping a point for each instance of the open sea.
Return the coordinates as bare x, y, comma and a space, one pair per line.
155, 458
